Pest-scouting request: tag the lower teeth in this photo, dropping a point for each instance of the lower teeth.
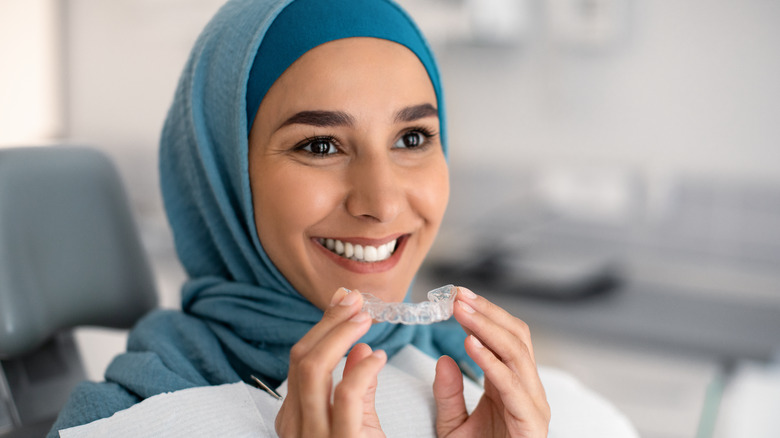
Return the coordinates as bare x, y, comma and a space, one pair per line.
359, 260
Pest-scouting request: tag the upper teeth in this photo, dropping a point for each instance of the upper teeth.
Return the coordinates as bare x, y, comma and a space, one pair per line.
361, 253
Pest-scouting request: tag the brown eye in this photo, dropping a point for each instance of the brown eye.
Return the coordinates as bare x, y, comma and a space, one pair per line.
319, 146
410, 140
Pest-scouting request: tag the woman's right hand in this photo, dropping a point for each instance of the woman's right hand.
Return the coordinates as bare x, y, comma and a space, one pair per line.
307, 410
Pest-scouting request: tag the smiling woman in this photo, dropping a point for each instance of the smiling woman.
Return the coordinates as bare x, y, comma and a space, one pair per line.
302, 162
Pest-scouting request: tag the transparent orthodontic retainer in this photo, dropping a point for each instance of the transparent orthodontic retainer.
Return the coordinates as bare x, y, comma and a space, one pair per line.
437, 308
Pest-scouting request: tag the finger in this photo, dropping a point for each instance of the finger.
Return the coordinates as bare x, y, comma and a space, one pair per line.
496, 314
312, 370
334, 345
448, 394
349, 396
504, 343
514, 352
505, 382
508, 336
341, 325
314, 357
285, 424
358, 353
344, 304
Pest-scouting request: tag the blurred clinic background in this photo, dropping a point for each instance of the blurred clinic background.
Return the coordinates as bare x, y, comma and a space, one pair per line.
614, 171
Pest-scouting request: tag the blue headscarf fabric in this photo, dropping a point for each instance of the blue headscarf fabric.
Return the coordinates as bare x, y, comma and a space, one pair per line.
240, 316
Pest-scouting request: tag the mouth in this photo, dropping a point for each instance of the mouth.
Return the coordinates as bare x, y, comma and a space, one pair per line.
362, 253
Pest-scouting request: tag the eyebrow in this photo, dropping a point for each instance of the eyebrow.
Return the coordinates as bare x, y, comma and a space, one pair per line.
416, 112
340, 118
320, 118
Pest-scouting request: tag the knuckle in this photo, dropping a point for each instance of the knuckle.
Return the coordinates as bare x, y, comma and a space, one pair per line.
308, 367
524, 357
523, 350
523, 328
344, 393
519, 357
523, 332
297, 352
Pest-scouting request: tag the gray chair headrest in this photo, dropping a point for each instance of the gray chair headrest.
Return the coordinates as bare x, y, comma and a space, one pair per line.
70, 253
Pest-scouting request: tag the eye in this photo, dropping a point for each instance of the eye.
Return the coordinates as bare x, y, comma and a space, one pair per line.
411, 140
319, 146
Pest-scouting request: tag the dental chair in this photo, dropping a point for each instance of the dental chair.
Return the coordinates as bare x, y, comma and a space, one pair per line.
70, 255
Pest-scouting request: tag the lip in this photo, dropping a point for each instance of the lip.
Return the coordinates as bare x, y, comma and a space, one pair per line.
364, 267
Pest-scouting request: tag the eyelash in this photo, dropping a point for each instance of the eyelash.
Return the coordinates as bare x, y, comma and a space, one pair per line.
319, 139
426, 133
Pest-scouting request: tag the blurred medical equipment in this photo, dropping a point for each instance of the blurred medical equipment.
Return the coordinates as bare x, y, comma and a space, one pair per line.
547, 273
70, 255
694, 267
266, 388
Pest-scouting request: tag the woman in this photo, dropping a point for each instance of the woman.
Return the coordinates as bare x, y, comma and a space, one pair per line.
304, 156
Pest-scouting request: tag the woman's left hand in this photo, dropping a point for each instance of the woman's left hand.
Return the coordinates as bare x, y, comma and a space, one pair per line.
514, 403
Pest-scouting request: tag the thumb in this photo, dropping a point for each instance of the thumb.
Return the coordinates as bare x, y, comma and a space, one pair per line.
357, 354
448, 393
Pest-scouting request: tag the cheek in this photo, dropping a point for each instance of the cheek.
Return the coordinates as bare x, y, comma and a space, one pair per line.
289, 201
432, 194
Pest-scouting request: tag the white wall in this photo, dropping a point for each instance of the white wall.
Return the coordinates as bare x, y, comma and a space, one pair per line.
30, 72
685, 87
125, 57
690, 87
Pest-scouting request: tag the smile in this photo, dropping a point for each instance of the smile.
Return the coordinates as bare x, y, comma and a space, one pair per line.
360, 253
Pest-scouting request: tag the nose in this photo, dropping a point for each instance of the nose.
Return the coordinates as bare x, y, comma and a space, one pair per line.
376, 189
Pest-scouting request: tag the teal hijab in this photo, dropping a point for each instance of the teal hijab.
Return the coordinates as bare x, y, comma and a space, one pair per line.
240, 316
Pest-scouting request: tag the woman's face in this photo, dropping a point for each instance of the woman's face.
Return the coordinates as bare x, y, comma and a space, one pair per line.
348, 176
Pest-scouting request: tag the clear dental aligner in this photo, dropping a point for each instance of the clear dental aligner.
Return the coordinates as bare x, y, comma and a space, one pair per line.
437, 308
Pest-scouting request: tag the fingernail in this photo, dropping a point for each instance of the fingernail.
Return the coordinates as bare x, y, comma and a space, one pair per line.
359, 317
466, 307
349, 299
337, 296
476, 342
467, 293
380, 354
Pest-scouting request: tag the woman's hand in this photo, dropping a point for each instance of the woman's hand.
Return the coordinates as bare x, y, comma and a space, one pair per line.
307, 410
514, 403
